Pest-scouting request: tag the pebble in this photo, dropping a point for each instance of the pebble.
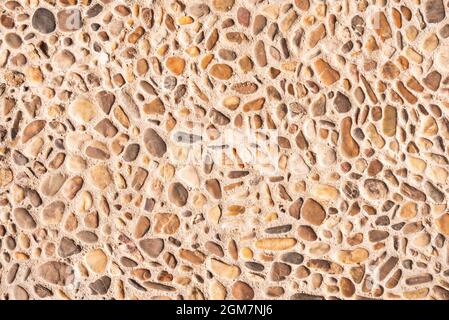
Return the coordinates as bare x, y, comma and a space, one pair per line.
347, 287
101, 286
32, 129
306, 233
442, 59
198, 10
152, 247
221, 71
175, 65
82, 110
6, 177
223, 149
52, 213
242, 291
52, 183
96, 260
222, 5
292, 258
68, 247
189, 176
342, 103
154, 144
43, 20
279, 271
13, 40
64, 60
69, 20
214, 189
442, 223
24, 219
224, 270
375, 189
243, 16
434, 11
105, 100
178, 194
275, 243
313, 212
100, 176
131, 152
57, 273
349, 147
355, 256
325, 72
166, 223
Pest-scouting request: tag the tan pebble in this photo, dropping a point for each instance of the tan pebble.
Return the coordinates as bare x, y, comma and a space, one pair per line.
355, 256
253, 105
214, 214
194, 257
96, 260
326, 73
416, 165
275, 243
316, 35
221, 71
222, 5
224, 270
242, 291
389, 121
288, 21
430, 42
381, 26
189, 176
325, 192
231, 102
34, 75
6, 177
32, 129
416, 294
166, 223
175, 65
408, 210
82, 110
313, 212
347, 287
217, 291
100, 176
442, 224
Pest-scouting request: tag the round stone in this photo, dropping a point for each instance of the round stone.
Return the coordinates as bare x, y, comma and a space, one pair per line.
152, 247
177, 194
375, 189
96, 260
82, 110
442, 59
43, 20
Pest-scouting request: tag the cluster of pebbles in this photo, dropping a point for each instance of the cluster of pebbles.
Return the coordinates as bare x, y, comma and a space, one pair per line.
115, 183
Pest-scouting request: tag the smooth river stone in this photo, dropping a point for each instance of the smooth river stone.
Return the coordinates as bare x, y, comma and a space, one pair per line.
177, 194
154, 143
24, 219
313, 212
58, 273
348, 146
43, 21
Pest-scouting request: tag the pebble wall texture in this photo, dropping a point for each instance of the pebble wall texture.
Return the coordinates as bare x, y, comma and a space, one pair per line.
224, 149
